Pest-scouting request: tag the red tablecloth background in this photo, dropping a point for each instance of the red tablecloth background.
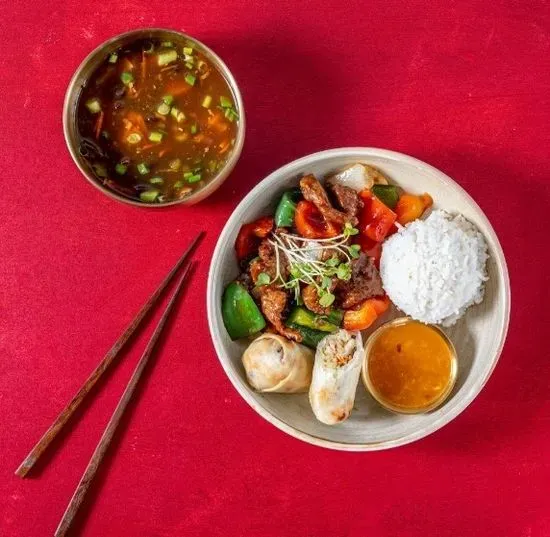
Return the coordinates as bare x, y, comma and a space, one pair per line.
465, 87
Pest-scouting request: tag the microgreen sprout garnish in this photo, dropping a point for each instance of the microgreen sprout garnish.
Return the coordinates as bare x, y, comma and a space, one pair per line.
127, 78
315, 262
263, 279
355, 250
349, 230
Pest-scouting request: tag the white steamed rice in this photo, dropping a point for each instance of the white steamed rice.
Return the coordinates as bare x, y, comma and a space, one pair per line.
434, 269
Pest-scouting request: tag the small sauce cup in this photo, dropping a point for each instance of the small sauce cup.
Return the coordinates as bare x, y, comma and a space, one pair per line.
409, 367
85, 72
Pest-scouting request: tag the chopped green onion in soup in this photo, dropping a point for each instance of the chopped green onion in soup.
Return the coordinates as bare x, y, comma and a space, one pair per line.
167, 57
149, 195
127, 78
93, 105
155, 136
142, 168
121, 168
134, 138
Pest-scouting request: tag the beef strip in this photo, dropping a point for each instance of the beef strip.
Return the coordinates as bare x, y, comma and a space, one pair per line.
348, 199
255, 268
364, 283
267, 262
274, 302
314, 192
311, 300
266, 253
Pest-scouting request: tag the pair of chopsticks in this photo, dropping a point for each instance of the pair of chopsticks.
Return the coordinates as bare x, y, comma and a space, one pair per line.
75, 402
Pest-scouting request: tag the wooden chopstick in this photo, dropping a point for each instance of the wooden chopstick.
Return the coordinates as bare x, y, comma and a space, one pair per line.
74, 403
105, 440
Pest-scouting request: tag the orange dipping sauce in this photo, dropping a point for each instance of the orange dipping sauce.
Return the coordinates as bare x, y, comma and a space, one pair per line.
411, 366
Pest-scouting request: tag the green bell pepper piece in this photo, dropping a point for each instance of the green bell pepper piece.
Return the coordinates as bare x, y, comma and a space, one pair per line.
241, 316
310, 337
387, 194
325, 323
284, 214
312, 327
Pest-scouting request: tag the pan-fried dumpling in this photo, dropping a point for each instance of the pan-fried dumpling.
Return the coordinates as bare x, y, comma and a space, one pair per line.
276, 364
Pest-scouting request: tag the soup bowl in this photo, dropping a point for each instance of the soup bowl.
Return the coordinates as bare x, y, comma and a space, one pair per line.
86, 70
478, 337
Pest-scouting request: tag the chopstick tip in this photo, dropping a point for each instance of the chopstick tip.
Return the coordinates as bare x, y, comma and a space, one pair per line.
23, 469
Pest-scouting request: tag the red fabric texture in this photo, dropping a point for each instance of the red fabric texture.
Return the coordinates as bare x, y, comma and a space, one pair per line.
463, 85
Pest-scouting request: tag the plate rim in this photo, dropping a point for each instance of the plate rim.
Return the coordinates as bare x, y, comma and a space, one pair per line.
238, 383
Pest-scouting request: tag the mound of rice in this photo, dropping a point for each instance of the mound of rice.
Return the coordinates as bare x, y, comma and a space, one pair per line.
434, 269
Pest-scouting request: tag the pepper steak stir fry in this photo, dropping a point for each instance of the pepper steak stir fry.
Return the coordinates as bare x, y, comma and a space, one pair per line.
313, 266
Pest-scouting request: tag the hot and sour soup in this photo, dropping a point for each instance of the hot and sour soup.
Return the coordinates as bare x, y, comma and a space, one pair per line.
157, 120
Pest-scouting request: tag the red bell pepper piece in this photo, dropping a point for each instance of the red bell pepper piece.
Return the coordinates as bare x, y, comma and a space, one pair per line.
311, 224
250, 235
376, 219
362, 317
371, 248
263, 227
393, 229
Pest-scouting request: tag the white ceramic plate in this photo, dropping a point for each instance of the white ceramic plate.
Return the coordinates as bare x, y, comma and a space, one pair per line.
478, 337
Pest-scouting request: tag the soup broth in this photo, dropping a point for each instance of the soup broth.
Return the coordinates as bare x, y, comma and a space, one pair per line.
157, 121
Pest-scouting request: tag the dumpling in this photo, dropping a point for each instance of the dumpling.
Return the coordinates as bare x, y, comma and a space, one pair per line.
276, 364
